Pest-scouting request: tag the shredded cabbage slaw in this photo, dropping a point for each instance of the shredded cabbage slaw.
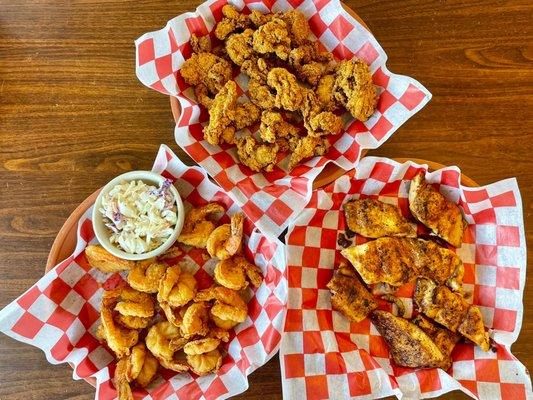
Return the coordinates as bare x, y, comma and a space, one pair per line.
140, 217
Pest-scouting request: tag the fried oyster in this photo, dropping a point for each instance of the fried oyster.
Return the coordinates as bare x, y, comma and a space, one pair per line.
226, 116
276, 53
354, 89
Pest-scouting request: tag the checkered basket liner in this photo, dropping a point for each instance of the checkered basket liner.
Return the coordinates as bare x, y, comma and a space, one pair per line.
272, 200
323, 355
59, 314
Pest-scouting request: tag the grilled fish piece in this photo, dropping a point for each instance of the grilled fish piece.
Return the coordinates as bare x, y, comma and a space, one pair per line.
374, 219
349, 296
440, 303
443, 338
472, 328
435, 211
451, 310
409, 345
396, 261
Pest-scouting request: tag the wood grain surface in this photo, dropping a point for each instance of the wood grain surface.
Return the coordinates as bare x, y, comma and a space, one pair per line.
73, 115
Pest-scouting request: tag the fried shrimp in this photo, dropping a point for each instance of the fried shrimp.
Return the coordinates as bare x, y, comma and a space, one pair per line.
201, 346
176, 288
139, 367
145, 275
119, 339
228, 310
226, 240
197, 227
195, 320
164, 340
232, 273
101, 259
173, 315
202, 364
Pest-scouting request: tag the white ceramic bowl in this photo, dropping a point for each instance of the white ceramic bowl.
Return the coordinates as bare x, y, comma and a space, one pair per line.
102, 232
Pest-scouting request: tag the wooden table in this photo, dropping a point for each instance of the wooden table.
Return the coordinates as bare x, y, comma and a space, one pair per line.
73, 115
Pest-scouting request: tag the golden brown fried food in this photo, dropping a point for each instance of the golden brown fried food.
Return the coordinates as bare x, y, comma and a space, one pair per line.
257, 156
145, 275
202, 364
288, 93
203, 96
473, 328
118, 338
164, 340
207, 69
435, 211
233, 21
201, 346
197, 227
443, 338
234, 273
273, 38
297, 26
239, 47
324, 93
397, 261
257, 69
221, 115
228, 310
440, 303
176, 288
226, 116
273, 127
200, 44
317, 121
310, 63
101, 259
226, 240
409, 345
139, 367
260, 94
374, 219
350, 297
258, 18
195, 318
354, 88
246, 114
306, 147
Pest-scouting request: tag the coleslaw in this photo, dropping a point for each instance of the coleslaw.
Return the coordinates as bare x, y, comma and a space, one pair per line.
140, 217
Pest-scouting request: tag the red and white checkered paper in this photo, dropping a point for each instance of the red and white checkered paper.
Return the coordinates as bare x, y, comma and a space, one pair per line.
323, 355
272, 200
60, 313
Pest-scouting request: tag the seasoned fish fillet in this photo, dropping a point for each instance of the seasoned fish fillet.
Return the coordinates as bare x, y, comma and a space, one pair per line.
442, 337
472, 328
349, 296
374, 219
409, 345
451, 311
397, 261
435, 211
440, 303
